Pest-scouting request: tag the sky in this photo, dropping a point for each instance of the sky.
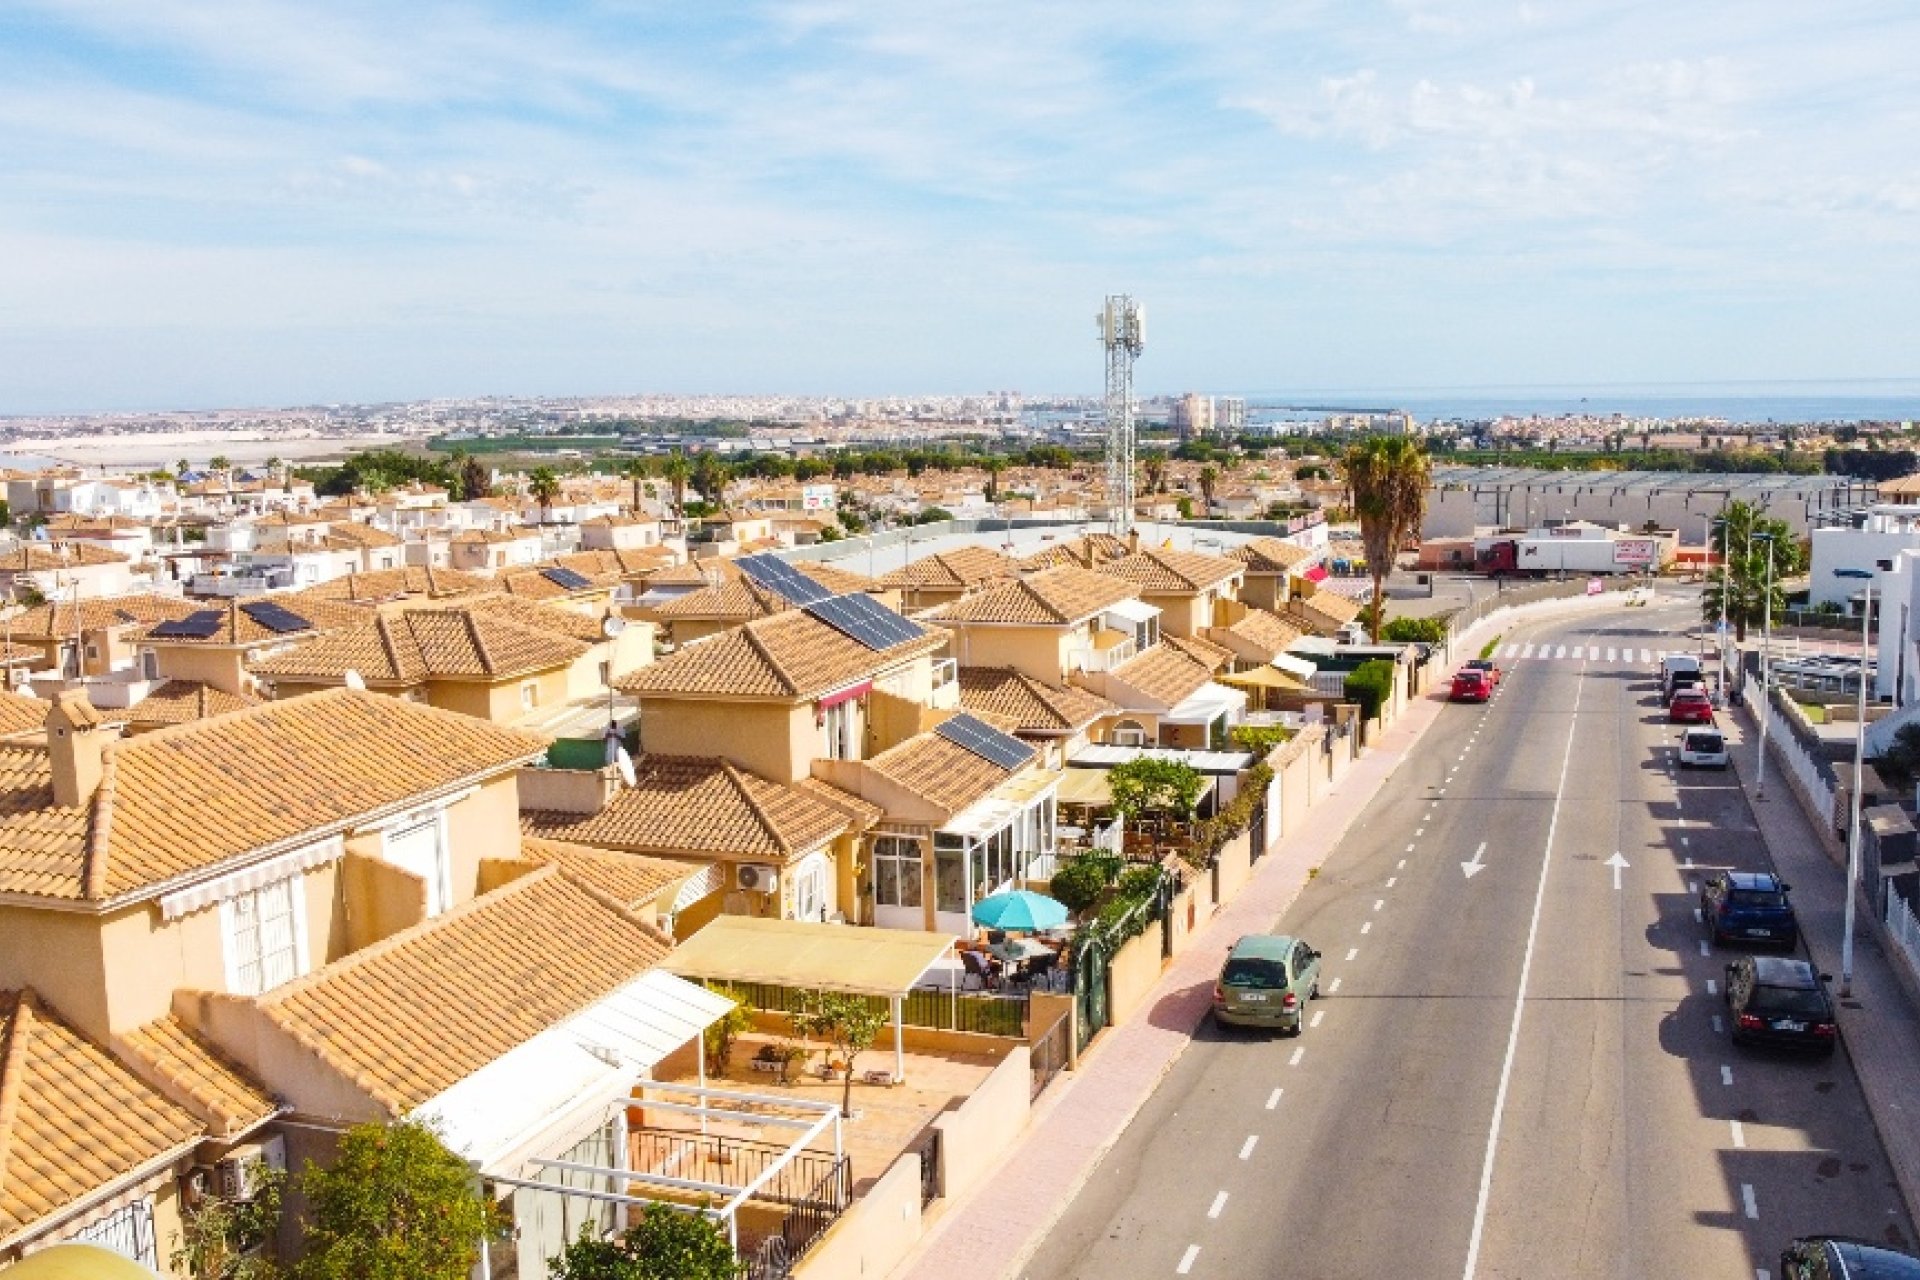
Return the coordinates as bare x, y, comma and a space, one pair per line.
207, 203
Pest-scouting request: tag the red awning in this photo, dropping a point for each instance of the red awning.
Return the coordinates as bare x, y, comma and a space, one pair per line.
1315, 573
846, 695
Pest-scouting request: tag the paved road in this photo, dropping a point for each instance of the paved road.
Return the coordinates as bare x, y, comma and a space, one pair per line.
1514, 1073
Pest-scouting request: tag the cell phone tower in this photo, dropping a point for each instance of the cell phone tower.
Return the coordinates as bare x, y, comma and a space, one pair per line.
1123, 332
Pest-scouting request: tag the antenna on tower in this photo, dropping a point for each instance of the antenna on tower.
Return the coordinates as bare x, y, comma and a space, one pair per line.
1123, 332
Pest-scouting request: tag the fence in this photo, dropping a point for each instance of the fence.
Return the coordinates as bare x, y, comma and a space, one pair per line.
929, 1149
1905, 928
996, 1015
771, 1256
1532, 593
1048, 1053
1810, 774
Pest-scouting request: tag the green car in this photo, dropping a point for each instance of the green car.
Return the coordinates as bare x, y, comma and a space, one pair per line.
1266, 982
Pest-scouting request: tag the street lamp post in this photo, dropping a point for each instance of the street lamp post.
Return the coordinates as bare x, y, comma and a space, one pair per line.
1859, 764
1766, 655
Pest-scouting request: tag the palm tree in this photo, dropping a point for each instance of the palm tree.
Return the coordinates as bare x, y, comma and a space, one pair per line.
637, 471
1387, 489
544, 485
1156, 468
995, 464
677, 472
710, 477
1209, 477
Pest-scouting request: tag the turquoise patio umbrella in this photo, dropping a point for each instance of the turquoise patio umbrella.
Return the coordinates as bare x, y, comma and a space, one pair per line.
1020, 909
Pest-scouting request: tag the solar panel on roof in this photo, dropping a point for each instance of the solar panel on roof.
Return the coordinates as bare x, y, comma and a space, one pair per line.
862, 618
566, 578
198, 625
781, 578
985, 741
275, 618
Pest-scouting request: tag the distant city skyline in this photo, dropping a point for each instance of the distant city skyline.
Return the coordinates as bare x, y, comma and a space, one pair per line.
212, 203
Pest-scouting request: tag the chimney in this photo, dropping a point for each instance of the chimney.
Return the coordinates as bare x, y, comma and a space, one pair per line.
1133, 539
77, 739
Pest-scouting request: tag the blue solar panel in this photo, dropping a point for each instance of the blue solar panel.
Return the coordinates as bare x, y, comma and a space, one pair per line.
566, 578
984, 741
199, 625
275, 618
862, 618
781, 578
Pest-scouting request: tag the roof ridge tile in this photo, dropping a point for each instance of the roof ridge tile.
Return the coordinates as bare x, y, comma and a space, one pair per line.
13, 1070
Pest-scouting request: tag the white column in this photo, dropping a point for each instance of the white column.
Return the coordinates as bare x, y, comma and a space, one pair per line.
899, 1045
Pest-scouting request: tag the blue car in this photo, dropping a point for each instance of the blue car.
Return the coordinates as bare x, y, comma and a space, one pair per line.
1748, 906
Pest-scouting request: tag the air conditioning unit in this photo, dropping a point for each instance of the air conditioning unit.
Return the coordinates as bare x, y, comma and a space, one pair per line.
1127, 738
236, 1176
757, 877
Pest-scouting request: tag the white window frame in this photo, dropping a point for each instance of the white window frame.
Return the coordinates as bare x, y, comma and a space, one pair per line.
440, 883
236, 963
810, 881
529, 695
838, 724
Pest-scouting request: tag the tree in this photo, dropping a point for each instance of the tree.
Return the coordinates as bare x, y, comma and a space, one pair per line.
1145, 783
1387, 489
182, 467
995, 465
220, 462
1155, 467
636, 471
475, 477
544, 485
721, 1034
668, 1243
215, 1237
394, 1205
1747, 540
850, 1024
710, 476
677, 471
1209, 477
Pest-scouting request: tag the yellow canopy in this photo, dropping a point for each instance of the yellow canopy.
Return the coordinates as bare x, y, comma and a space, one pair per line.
78, 1262
1261, 678
800, 953
1084, 786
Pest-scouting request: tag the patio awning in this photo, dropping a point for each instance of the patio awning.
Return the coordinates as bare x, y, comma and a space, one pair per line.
802, 953
537, 1090
1205, 705
1295, 665
1313, 644
1085, 787
1133, 610
1261, 678
984, 817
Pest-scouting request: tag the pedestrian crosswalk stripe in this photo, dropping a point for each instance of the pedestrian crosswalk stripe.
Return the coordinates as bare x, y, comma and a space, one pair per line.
1593, 653
1561, 652
1646, 655
1528, 653
1610, 653
1508, 652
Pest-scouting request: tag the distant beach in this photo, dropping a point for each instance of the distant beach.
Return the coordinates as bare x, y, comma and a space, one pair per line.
151, 452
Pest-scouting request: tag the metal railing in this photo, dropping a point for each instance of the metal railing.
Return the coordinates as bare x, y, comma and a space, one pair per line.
1001, 1014
931, 1187
1048, 1053
1905, 928
772, 1256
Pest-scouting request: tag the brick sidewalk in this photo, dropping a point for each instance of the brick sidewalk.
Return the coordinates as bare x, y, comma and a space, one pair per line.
1878, 1025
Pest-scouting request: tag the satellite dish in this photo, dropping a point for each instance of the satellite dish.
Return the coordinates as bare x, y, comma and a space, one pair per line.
353, 681
612, 625
624, 762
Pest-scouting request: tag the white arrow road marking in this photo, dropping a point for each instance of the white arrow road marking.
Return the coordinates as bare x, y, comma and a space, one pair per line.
1618, 864
1476, 866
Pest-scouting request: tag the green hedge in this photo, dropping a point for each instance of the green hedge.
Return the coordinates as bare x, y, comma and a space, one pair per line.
1414, 630
1370, 686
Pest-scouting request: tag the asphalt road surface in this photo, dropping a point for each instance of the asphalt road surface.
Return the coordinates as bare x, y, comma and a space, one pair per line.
1519, 1066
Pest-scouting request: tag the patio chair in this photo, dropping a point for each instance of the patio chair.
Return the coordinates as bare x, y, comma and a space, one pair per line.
977, 967
1041, 969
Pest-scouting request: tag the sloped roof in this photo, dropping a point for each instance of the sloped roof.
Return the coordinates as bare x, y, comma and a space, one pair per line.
175, 1060
381, 585
1325, 611
410, 1016
631, 879
736, 600
178, 701
1165, 673
72, 1120
939, 771
1266, 632
1032, 706
1055, 597
458, 643
1089, 550
791, 655
193, 796
1166, 572
702, 806
237, 626
43, 557
20, 714
959, 568
69, 618
1267, 556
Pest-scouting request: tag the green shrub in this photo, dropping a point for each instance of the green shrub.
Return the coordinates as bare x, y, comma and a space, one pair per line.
1487, 649
1414, 630
1370, 686
1146, 783
1259, 739
1079, 884
1138, 882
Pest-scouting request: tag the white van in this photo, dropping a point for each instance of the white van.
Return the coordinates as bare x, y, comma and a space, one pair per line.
1672, 663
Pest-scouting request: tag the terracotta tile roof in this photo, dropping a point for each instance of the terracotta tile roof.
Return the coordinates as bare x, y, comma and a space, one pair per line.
962, 567
413, 1015
69, 618
1164, 673
700, 806
20, 714
382, 585
1166, 572
1270, 555
791, 656
413, 645
192, 796
862, 813
493, 537
178, 701
633, 880
691, 573
534, 583
1089, 550
833, 577
1055, 597
541, 617
1324, 612
1266, 632
1033, 706
237, 626
939, 771
43, 557
72, 1120
355, 534
738, 600
174, 1060
1205, 651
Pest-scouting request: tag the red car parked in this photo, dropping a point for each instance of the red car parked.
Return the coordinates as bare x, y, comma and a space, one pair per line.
1470, 685
1690, 706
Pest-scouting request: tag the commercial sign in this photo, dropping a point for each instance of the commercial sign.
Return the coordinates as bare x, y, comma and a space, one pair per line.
1636, 550
816, 497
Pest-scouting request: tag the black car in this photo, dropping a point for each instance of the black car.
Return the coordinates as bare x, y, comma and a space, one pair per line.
1780, 1001
1748, 906
1832, 1258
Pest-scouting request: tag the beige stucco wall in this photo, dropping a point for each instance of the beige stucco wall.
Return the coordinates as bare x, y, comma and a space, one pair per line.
565, 790
381, 899
221, 668
58, 954
286, 1067
1182, 615
1040, 652
776, 740
975, 1136
1132, 973
875, 1232
484, 825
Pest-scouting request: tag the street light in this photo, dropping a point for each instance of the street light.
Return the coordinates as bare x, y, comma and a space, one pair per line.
1859, 764
1766, 655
